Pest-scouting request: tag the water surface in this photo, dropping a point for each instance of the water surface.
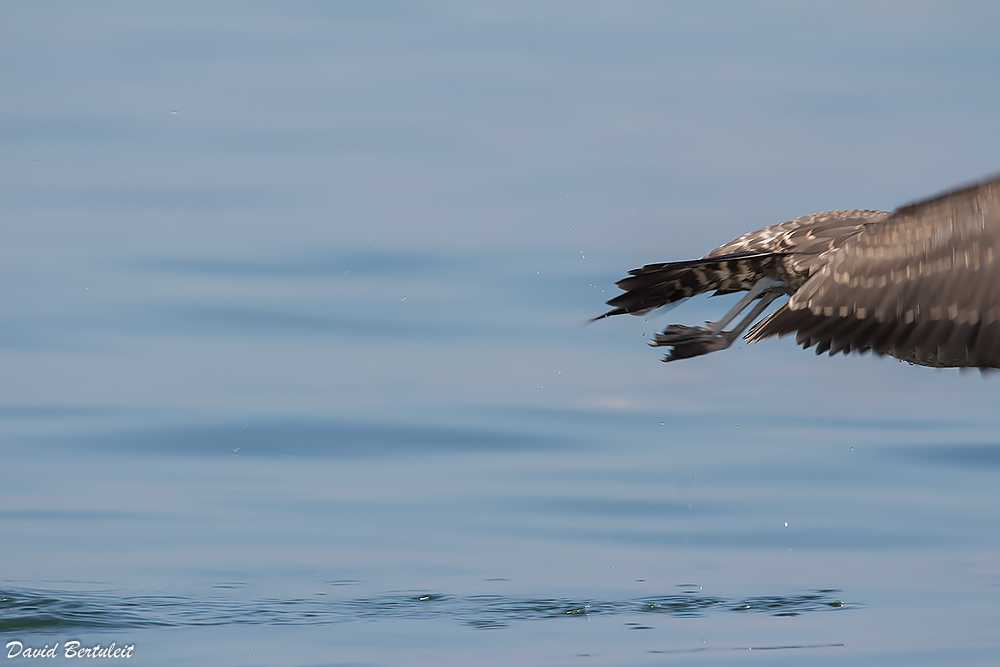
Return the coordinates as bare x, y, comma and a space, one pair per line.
295, 360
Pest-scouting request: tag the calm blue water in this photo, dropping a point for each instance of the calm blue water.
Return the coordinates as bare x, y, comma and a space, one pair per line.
295, 368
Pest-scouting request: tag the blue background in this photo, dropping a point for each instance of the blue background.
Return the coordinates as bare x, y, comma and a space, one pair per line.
293, 349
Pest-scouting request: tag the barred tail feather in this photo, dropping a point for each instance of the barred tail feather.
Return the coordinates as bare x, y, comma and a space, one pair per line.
656, 285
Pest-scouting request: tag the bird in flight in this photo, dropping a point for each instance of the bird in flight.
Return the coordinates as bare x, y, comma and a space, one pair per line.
921, 283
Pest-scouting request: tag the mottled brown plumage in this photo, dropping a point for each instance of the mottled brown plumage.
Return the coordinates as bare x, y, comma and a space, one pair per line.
921, 284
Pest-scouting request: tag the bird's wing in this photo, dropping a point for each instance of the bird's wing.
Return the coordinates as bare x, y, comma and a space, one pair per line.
923, 286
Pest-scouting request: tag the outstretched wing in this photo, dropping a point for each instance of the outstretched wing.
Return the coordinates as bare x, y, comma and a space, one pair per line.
924, 286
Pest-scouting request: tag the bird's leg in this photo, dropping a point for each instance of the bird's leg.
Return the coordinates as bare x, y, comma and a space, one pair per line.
765, 284
695, 341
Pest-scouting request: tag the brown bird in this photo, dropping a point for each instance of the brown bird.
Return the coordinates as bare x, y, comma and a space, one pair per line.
921, 283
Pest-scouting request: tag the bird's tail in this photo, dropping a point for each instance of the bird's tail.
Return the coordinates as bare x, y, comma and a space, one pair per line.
656, 285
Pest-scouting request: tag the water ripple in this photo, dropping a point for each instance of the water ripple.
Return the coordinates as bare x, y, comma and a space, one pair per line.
41, 611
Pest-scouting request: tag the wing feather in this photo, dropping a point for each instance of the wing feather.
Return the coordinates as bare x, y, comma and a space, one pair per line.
923, 286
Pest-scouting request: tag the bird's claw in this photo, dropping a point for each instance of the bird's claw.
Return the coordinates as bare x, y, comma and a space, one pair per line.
688, 341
